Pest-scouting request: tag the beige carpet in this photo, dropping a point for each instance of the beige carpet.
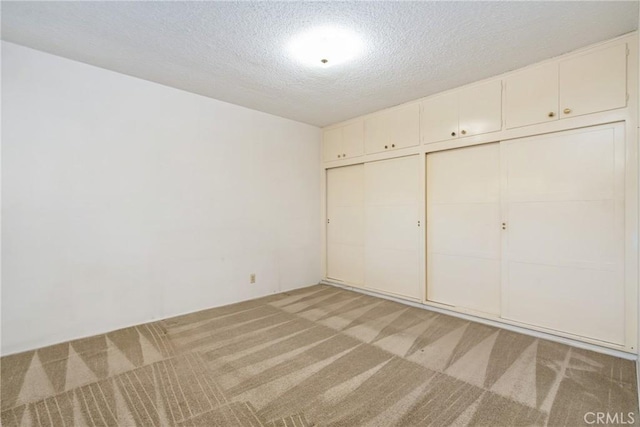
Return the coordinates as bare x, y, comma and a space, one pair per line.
315, 356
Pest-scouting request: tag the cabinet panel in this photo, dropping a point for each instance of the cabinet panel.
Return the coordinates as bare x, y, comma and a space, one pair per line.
376, 133
439, 118
594, 82
345, 224
532, 96
392, 235
463, 227
404, 127
332, 144
353, 139
563, 251
481, 108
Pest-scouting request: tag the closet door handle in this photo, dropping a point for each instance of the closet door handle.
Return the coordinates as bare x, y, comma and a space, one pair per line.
453, 134
504, 225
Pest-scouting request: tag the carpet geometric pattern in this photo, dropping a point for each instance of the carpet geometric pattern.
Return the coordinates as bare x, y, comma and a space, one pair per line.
315, 356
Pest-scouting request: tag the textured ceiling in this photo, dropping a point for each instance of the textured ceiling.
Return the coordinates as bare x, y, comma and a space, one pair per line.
236, 51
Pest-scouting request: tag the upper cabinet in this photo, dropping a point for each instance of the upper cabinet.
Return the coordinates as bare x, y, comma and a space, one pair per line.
582, 84
343, 142
470, 111
392, 129
532, 96
594, 81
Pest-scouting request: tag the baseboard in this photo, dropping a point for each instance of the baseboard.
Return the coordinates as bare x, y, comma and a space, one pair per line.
497, 324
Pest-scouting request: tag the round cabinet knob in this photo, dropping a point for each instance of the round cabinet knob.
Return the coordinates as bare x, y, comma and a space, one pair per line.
464, 132
551, 114
393, 145
344, 155
385, 147
567, 110
338, 155
453, 134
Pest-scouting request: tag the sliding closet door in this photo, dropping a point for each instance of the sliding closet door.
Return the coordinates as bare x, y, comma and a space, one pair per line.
392, 233
345, 224
563, 259
463, 228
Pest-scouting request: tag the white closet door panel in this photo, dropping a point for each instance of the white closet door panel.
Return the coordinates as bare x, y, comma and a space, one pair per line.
563, 259
584, 302
346, 226
561, 167
345, 186
392, 227
392, 235
465, 229
471, 282
394, 271
576, 233
392, 182
464, 175
346, 263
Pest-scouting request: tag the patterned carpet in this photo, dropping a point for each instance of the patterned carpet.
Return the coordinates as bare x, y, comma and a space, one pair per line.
316, 356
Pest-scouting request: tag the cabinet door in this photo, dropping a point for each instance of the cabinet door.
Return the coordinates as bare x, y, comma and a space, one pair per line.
404, 127
532, 96
594, 82
353, 139
463, 227
345, 224
439, 118
332, 144
481, 108
392, 235
564, 244
376, 131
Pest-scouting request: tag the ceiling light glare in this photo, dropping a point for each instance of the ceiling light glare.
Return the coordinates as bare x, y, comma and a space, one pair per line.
325, 47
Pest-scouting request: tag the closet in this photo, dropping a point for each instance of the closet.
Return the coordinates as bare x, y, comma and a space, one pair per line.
463, 227
373, 230
392, 229
513, 199
532, 229
345, 224
563, 253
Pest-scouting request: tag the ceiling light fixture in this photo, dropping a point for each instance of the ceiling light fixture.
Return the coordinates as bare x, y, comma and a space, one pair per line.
325, 47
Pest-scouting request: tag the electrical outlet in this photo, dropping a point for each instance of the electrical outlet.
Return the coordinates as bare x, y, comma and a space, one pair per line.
252, 278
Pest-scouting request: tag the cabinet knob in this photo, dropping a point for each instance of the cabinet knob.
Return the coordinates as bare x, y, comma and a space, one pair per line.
464, 132
385, 147
453, 134
504, 225
551, 114
567, 110
393, 145
344, 155
338, 155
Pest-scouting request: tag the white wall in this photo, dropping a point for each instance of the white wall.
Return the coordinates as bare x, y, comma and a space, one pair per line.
126, 201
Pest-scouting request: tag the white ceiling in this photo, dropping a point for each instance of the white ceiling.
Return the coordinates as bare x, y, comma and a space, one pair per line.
236, 51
